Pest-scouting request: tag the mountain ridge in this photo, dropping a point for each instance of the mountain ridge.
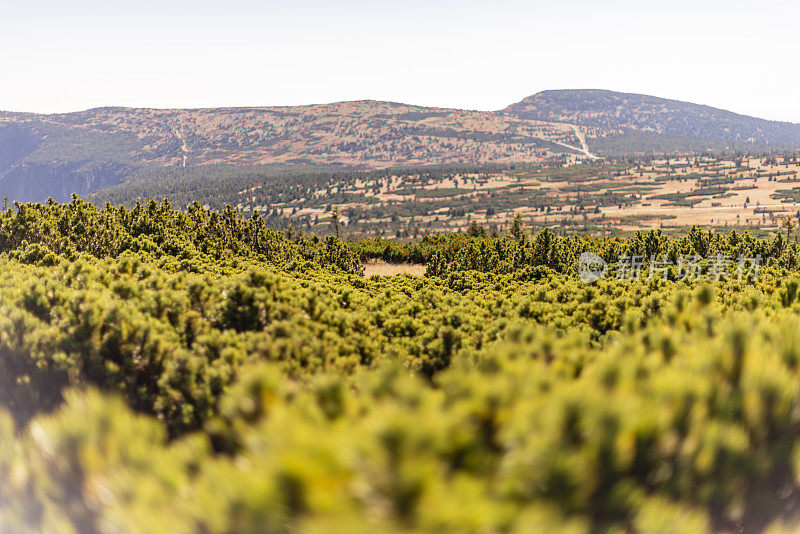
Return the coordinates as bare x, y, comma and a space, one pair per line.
618, 112
631, 94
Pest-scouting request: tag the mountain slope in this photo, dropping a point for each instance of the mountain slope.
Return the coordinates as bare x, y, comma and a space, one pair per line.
648, 120
95, 148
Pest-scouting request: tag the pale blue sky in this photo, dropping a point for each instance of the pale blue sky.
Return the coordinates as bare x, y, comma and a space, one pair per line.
66, 56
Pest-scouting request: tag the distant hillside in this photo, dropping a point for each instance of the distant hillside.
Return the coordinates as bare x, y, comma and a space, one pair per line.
56, 155
640, 123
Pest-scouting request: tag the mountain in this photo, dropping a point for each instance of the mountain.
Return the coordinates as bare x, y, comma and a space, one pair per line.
630, 123
56, 155
53, 155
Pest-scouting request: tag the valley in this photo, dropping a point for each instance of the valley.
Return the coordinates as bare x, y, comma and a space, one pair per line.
613, 197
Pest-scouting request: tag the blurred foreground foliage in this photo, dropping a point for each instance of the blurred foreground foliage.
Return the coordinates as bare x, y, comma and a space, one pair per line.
168, 372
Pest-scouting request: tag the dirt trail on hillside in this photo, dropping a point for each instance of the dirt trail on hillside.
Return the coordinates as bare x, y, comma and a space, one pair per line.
582, 138
584, 148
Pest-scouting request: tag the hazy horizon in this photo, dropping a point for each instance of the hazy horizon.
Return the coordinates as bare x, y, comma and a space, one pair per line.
61, 58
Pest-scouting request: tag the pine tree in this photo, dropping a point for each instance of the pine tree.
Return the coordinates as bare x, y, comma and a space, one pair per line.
789, 226
336, 216
517, 229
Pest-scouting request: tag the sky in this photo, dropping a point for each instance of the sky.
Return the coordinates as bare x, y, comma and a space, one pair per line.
58, 56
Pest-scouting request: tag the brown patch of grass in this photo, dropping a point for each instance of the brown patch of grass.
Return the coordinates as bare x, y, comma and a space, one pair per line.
382, 268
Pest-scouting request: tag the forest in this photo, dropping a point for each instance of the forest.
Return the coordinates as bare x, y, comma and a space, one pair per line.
193, 370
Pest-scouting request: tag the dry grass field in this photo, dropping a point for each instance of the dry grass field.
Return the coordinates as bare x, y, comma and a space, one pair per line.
598, 198
381, 268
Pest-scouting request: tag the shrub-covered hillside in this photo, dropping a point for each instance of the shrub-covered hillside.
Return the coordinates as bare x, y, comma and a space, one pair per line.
166, 371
